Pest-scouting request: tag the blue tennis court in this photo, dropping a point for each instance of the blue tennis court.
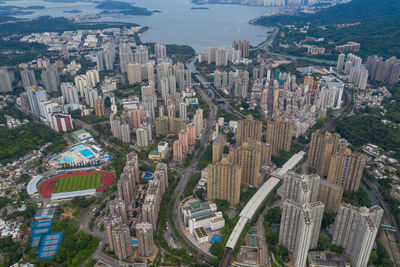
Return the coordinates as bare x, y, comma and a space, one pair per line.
49, 246
86, 152
215, 239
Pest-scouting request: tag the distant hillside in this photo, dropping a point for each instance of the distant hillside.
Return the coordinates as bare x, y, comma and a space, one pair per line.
355, 11
378, 33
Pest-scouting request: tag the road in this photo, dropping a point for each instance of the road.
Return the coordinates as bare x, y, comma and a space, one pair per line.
264, 255
188, 172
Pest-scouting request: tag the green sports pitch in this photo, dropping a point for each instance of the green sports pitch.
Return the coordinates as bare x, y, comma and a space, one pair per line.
76, 183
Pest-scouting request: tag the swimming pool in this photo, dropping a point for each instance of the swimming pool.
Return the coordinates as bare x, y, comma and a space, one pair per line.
215, 239
147, 175
86, 153
69, 159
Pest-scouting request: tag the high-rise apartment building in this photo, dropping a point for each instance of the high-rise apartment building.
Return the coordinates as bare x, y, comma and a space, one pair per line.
346, 169
384, 71
81, 81
90, 95
248, 128
99, 109
162, 126
183, 110
144, 234
141, 54
161, 51
161, 173
120, 128
355, 230
28, 78
5, 81
263, 147
122, 241
125, 56
118, 208
198, 122
35, 96
279, 135
223, 181
331, 195
134, 73
218, 148
340, 62
178, 151
359, 77
109, 224
93, 77
142, 138
60, 122
191, 130
322, 147
249, 159
299, 229
70, 93
51, 79
242, 46
171, 118
300, 188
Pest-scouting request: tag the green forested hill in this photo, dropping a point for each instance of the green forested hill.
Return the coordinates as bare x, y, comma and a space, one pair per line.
378, 33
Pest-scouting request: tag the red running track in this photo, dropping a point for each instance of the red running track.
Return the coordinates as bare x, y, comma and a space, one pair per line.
47, 188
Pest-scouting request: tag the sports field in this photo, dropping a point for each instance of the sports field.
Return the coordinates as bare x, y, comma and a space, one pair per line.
80, 182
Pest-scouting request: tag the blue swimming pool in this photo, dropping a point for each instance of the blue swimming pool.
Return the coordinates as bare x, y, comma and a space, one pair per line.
215, 239
69, 159
86, 153
147, 175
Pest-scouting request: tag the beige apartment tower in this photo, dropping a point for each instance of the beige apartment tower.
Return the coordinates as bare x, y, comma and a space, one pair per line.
144, 234
346, 169
223, 181
322, 147
263, 147
331, 195
249, 159
279, 135
218, 148
248, 128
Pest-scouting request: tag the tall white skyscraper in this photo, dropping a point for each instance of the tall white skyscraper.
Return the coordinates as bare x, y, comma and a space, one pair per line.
70, 93
198, 122
355, 230
93, 77
142, 138
134, 73
299, 229
28, 78
5, 81
183, 110
161, 51
301, 188
340, 62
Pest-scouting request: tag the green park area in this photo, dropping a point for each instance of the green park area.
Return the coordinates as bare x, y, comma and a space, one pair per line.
76, 183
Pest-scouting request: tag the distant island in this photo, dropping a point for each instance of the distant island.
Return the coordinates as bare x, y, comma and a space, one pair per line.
201, 8
123, 8
73, 11
35, 7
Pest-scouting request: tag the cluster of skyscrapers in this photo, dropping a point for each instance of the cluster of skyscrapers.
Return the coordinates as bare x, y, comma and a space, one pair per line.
242, 164
355, 228
125, 214
383, 70
351, 66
